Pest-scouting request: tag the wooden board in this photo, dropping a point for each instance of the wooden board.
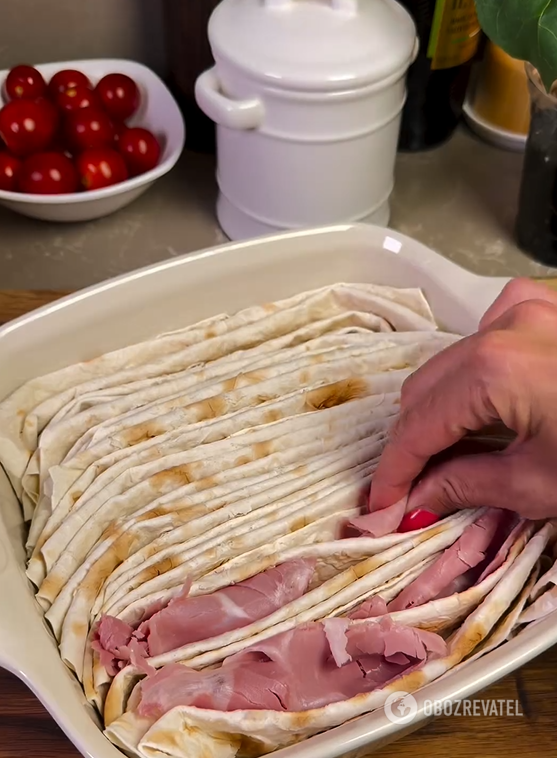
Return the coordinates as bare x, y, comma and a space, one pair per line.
14, 303
27, 731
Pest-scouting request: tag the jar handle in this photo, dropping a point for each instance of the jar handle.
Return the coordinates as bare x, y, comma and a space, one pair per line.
349, 7
234, 114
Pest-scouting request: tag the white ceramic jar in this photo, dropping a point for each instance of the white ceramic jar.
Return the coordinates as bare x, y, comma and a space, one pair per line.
307, 97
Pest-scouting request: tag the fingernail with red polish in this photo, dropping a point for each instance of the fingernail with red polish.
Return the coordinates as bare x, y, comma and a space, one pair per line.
418, 519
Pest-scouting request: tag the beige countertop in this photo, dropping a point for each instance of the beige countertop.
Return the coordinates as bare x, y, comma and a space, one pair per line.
459, 199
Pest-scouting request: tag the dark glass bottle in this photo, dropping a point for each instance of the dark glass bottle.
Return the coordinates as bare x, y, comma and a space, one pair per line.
189, 54
449, 35
536, 222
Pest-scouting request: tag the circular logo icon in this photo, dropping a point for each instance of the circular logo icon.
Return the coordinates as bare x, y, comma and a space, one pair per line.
401, 707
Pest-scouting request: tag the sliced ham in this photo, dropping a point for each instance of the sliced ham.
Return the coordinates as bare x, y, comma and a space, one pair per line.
111, 642
373, 606
380, 523
466, 553
189, 619
395, 642
509, 528
460, 584
296, 670
238, 687
335, 632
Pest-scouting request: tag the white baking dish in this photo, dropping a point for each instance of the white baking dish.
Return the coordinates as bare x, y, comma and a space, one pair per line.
171, 294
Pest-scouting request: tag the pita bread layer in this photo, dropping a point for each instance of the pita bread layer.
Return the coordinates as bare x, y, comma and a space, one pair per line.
184, 731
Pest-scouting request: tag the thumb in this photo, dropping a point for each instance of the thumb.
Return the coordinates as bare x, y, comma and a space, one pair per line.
470, 481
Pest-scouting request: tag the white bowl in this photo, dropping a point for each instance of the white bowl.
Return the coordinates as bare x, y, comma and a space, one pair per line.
491, 133
158, 112
167, 296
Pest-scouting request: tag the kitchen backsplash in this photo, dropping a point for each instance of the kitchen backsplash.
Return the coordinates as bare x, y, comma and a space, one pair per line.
37, 31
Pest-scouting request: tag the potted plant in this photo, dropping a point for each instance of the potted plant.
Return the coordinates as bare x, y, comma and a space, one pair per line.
527, 30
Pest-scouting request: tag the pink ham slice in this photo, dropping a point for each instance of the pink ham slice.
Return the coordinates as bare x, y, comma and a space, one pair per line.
296, 670
190, 619
115, 645
380, 523
467, 552
237, 688
187, 619
509, 528
373, 606
336, 634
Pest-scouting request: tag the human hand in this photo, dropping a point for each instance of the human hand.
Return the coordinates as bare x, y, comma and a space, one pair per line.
506, 374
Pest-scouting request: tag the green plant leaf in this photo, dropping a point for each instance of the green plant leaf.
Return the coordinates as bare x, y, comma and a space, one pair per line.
525, 29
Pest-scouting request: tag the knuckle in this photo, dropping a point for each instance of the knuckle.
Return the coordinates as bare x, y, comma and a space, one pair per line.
396, 432
455, 491
406, 389
534, 313
492, 349
403, 433
399, 431
497, 351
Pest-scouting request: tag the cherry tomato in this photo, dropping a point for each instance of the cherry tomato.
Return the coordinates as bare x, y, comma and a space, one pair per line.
77, 97
140, 149
88, 127
9, 169
27, 126
119, 95
25, 83
417, 519
119, 129
100, 167
66, 79
48, 174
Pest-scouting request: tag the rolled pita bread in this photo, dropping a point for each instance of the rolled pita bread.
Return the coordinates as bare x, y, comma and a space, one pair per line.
172, 572
65, 550
210, 340
352, 583
302, 404
115, 703
149, 535
336, 565
185, 730
214, 404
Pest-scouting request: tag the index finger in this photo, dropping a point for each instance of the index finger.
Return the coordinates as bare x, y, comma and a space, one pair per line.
426, 427
515, 292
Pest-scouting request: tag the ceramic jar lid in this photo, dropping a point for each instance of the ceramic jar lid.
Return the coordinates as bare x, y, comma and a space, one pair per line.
314, 44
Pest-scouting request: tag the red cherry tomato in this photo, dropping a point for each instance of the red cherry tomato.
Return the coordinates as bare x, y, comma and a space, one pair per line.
119, 129
77, 97
9, 170
140, 149
48, 174
417, 519
66, 79
100, 167
119, 95
27, 126
25, 83
88, 127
